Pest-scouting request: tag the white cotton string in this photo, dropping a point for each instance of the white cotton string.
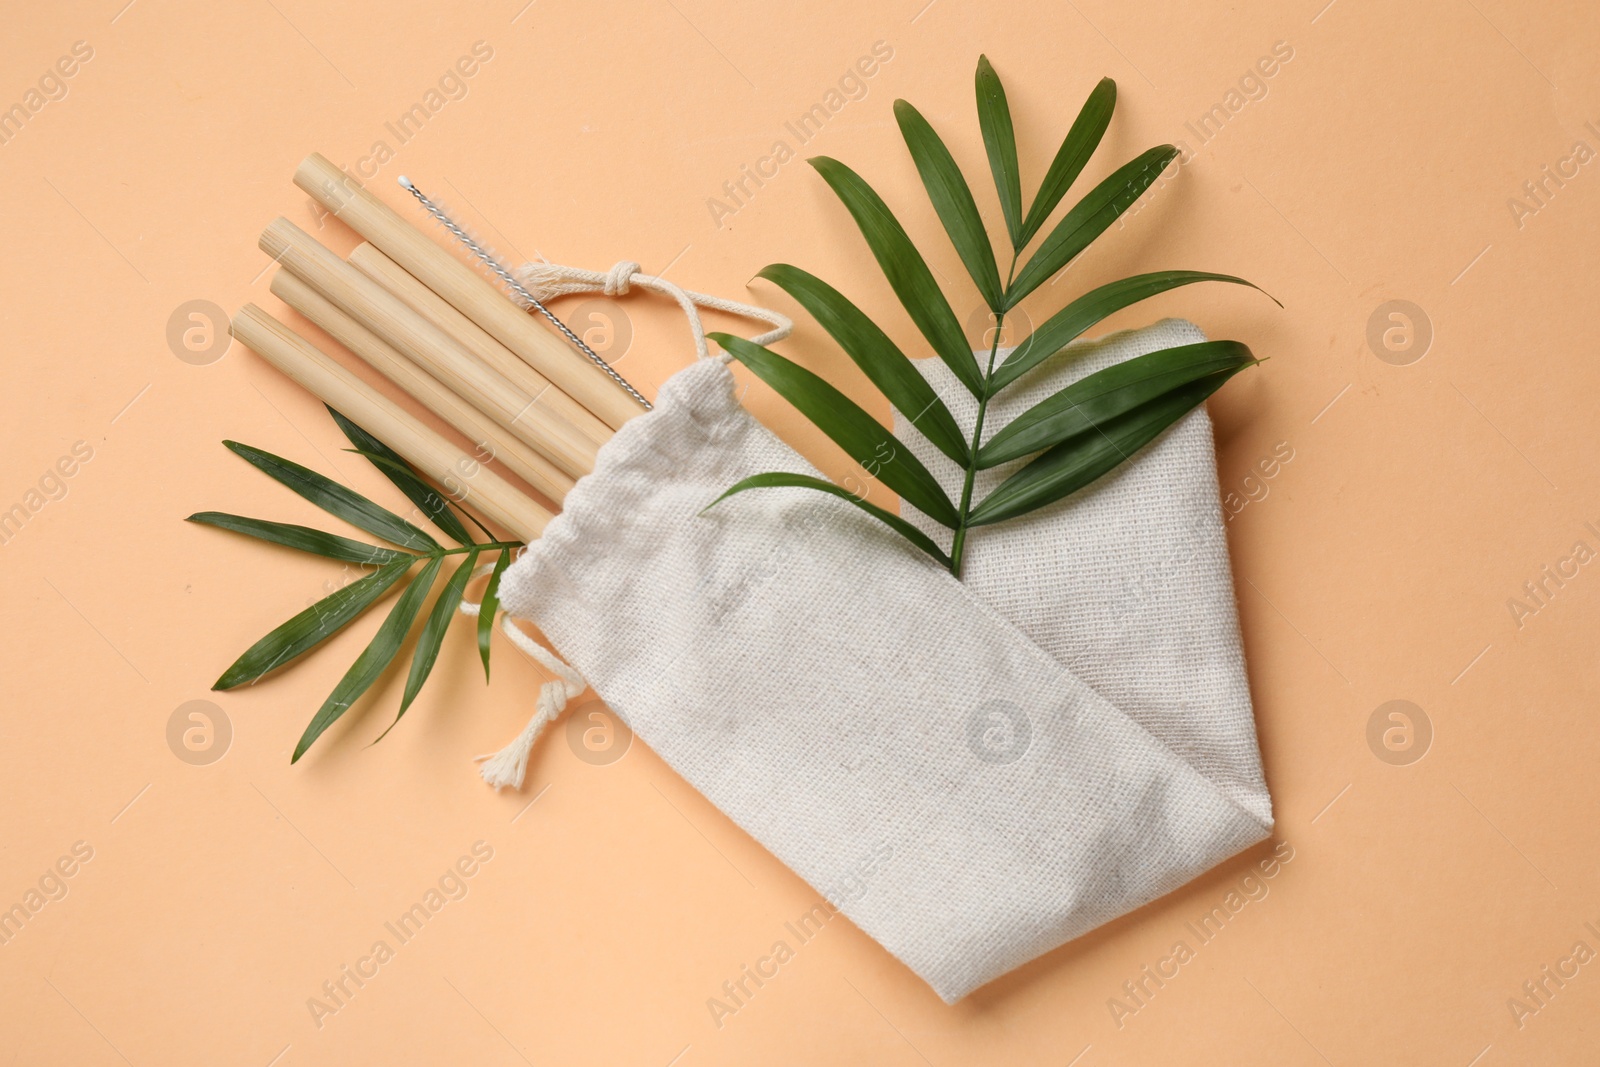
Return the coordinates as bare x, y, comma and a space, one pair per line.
547, 280
509, 766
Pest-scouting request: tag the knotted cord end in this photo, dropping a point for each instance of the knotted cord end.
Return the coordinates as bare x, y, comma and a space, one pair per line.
544, 281
509, 766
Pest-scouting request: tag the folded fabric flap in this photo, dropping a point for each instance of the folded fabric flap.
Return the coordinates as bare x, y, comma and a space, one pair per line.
954, 790
1127, 582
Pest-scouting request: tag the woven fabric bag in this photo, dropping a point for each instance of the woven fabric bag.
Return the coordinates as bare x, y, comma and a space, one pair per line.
948, 778
1127, 583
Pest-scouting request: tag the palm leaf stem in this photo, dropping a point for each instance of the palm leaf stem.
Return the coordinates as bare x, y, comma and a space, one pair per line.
959, 542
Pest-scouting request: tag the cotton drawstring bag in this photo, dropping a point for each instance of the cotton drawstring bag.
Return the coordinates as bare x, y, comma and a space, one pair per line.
1127, 583
957, 790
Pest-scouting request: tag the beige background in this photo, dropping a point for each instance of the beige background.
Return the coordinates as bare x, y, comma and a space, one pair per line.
1376, 565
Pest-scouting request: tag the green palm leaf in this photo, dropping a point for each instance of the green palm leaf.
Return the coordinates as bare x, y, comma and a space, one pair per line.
394, 467
303, 538
952, 199
877, 356
806, 481
1074, 153
488, 606
1108, 394
906, 270
312, 626
1070, 322
862, 437
432, 636
1089, 218
1000, 141
373, 659
1078, 461
335, 499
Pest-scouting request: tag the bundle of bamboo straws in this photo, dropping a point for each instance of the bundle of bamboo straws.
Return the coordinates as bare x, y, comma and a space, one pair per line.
449, 339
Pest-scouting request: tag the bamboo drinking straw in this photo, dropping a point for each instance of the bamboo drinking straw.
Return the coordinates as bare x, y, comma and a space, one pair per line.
468, 334
482, 431
436, 457
466, 290
525, 414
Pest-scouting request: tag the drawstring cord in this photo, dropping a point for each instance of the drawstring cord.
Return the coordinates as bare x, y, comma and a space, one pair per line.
544, 281
509, 766
549, 280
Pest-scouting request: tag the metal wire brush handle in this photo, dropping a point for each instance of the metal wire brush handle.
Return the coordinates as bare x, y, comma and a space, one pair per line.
519, 289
